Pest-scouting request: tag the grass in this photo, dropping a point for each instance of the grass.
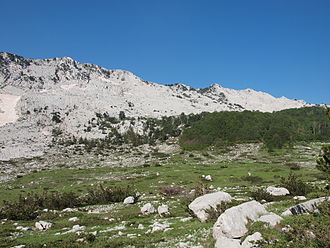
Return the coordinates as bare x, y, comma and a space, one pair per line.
181, 171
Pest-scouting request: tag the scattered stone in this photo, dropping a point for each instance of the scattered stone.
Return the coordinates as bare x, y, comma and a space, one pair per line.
69, 210
74, 219
42, 225
163, 210
305, 207
140, 226
208, 178
232, 223
299, 198
159, 227
18, 246
148, 209
129, 200
186, 219
271, 219
277, 191
80, 240
287, 228
206, 202
21, 228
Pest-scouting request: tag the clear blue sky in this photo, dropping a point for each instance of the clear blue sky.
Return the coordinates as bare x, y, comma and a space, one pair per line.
278, 46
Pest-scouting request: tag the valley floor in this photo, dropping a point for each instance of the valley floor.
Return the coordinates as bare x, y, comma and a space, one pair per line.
158, 177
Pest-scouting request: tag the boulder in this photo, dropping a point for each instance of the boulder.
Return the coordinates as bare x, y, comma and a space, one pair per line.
305, 207
148, 209
163, 210
208, 178
277, 191
129, 200
251, 239
232, 223
206, 202
271, 219
299, 198
74, 219
42, 225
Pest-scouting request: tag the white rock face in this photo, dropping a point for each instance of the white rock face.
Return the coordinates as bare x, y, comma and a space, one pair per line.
42, 225
163, 210
305, 207
271, 219
277, 191
129, 200
32, 89
208, 201
148, 209
232, 223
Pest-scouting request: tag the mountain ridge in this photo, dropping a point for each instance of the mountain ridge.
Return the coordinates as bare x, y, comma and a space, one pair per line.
35, 92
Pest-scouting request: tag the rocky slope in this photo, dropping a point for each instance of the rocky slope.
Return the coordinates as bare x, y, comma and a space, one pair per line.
38, 95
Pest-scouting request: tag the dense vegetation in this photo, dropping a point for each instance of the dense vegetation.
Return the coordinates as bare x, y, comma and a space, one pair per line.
274, 129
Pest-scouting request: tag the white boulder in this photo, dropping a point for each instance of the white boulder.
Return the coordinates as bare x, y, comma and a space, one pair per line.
271, 219
299, 198
74, 219
163, 210
232, 223
224, 242
305, 207
129, 200
277, 191
206, 202
42, 225
148, 209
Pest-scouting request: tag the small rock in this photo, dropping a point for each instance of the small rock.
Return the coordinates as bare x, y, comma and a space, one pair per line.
277, 191
300, 198
129, 200
140, 226
208, 178
148, 209
18, 246
163, 210
43, 225
74, 219
271, 219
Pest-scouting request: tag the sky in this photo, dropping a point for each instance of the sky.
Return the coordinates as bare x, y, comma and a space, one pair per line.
281, 47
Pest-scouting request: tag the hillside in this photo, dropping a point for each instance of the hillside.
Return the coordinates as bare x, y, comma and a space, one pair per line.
38, 96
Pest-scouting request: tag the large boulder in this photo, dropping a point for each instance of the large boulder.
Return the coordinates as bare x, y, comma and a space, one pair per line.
277, 191
305, 207
232, 223
203, 203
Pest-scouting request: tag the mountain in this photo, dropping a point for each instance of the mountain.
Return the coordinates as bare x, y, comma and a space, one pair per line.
39, 95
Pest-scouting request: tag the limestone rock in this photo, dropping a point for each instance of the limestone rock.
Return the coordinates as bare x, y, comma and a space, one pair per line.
163, 210
299, 198
305, 207
43, 225
208, 201
74, 219
249, 240
277, 191
148, 209
208, 178
232, 223
271, 219
129, 200
224, 242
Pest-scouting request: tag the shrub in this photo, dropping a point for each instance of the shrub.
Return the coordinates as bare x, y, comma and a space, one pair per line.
214, 213
262, 194
295, 185
169, 191
252, 179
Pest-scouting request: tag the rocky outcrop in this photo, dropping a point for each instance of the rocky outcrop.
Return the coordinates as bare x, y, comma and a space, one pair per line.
305, 207
232, 223
203, 203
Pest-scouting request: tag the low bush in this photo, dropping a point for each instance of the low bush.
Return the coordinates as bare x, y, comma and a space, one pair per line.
295, 185
252, 179
262, 194
169, 191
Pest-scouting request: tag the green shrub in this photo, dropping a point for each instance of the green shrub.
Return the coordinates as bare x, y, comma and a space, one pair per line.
262, 194
295, 185
252, 179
